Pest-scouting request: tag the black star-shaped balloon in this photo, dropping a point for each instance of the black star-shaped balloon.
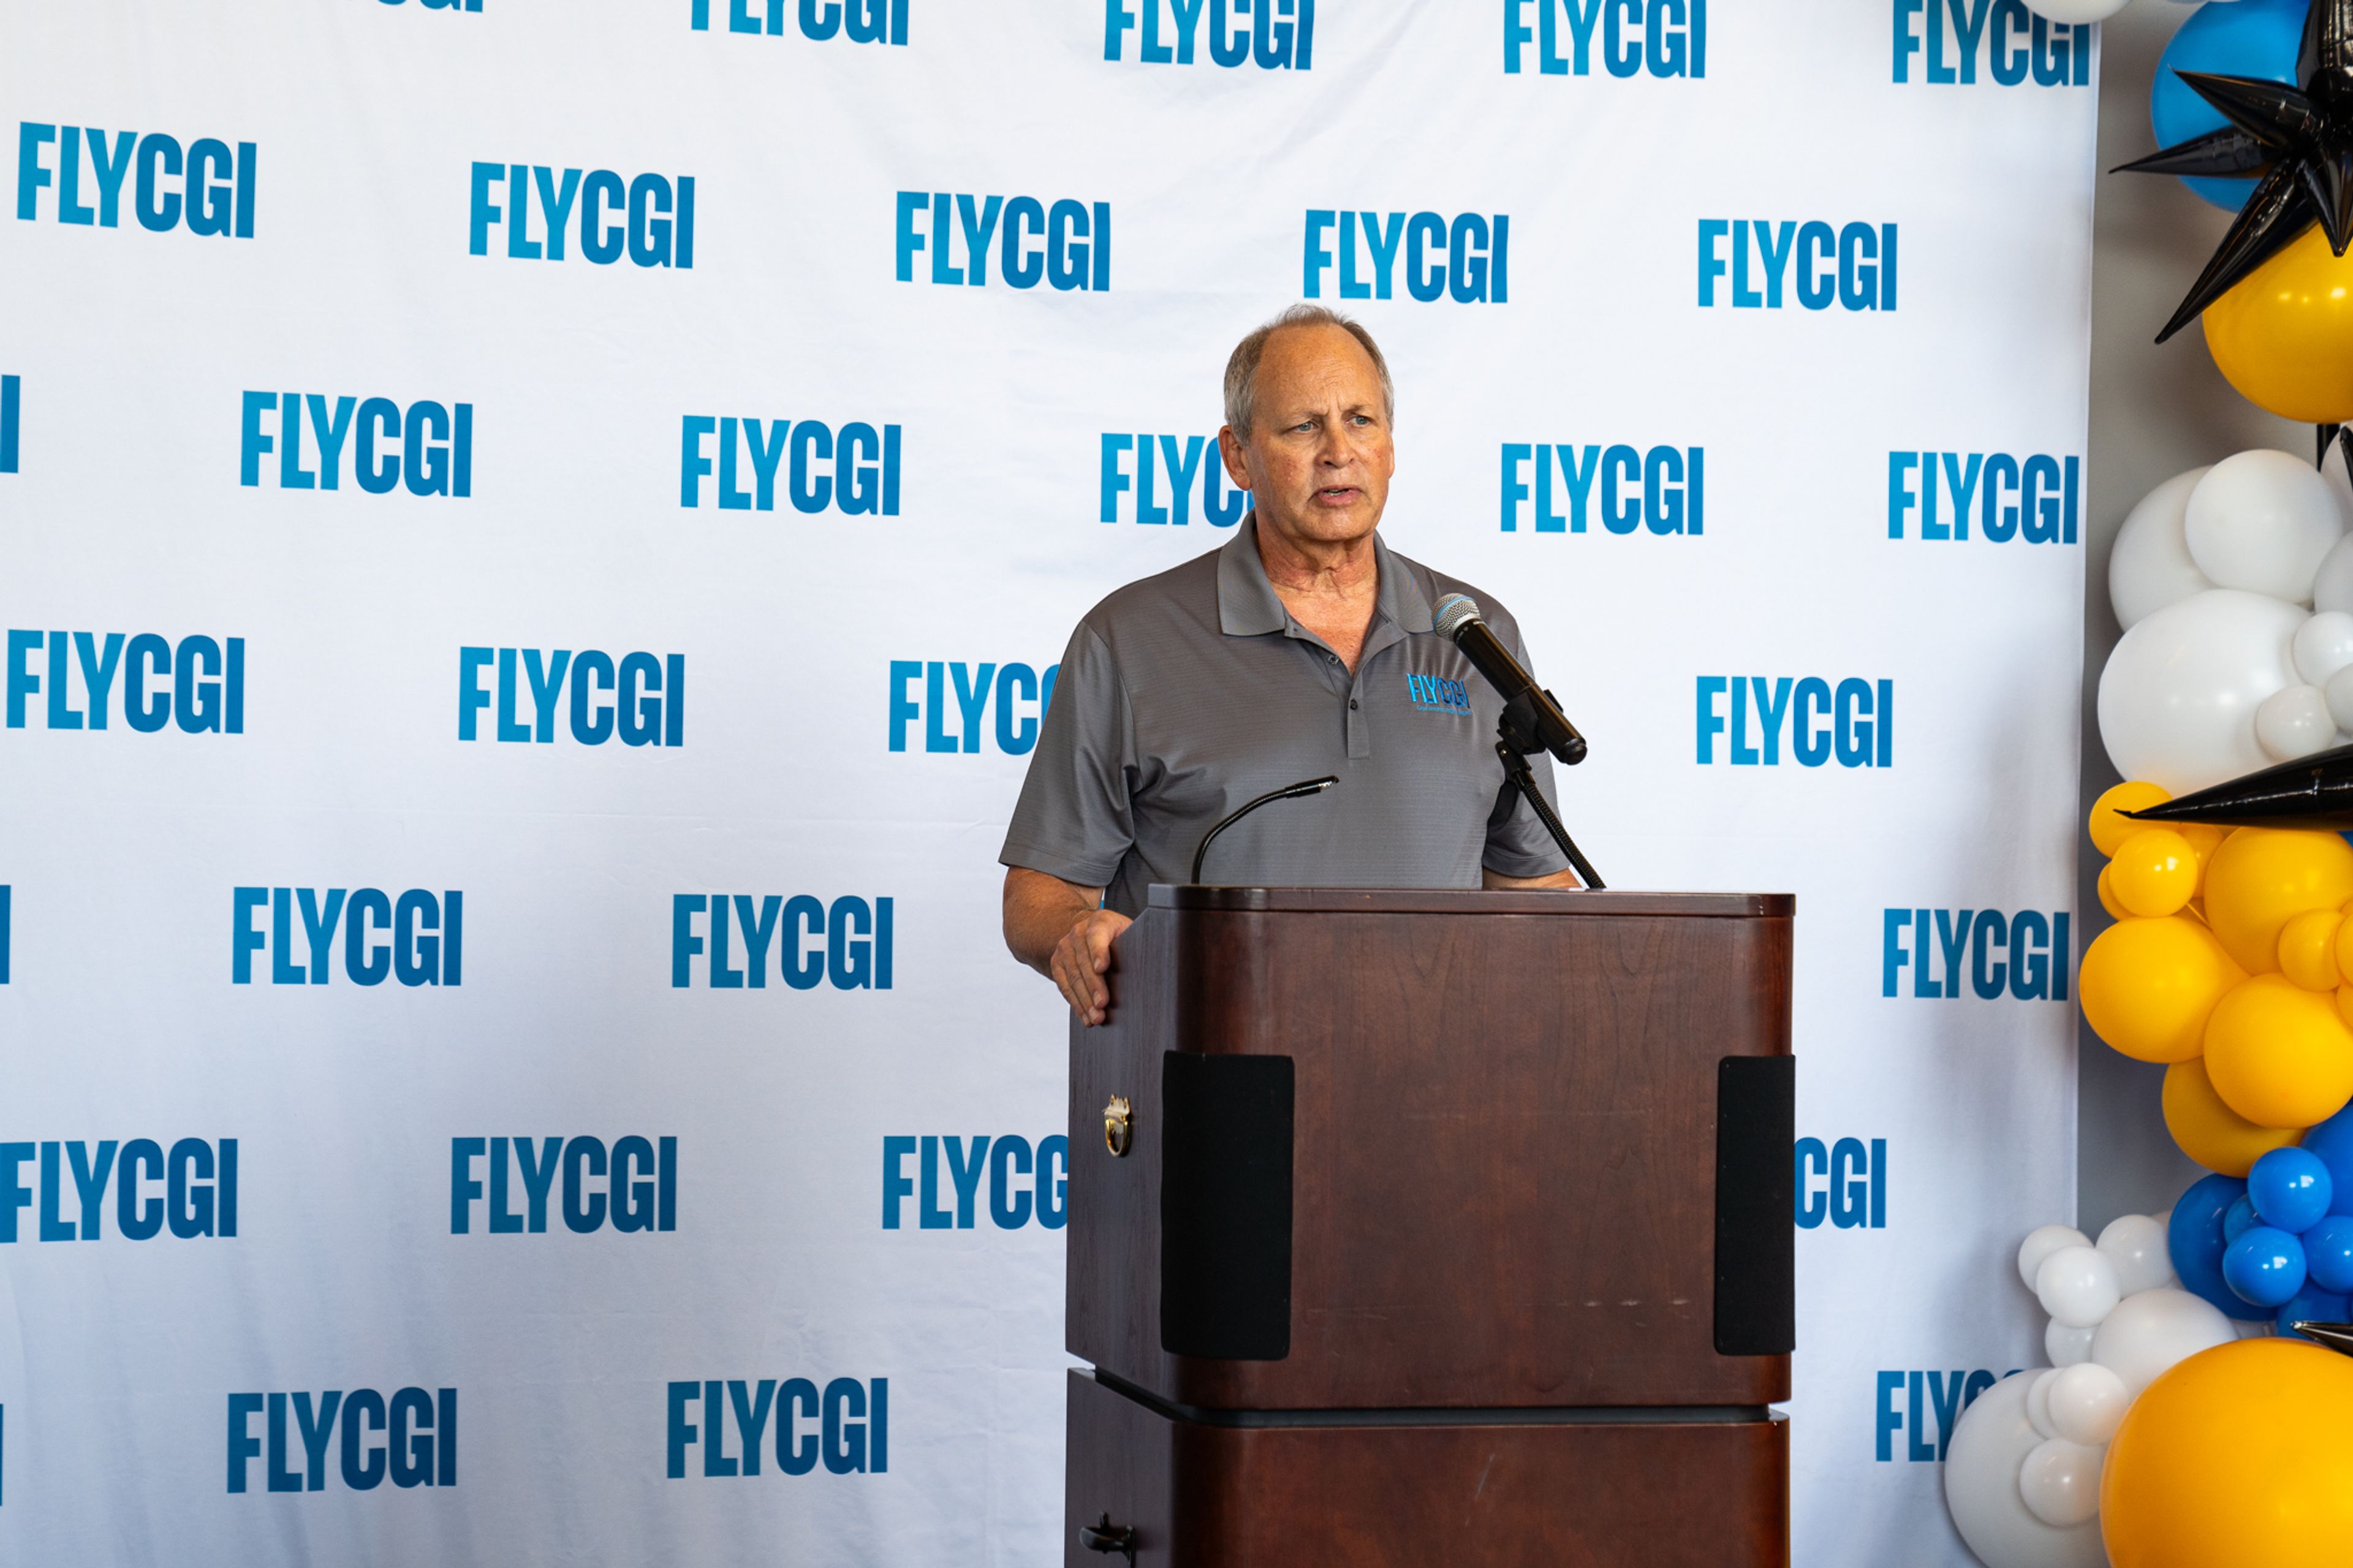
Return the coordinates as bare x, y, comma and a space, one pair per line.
2337, 1337
2300, 141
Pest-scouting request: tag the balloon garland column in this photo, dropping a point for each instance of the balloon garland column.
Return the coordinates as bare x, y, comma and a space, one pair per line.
2197, 1412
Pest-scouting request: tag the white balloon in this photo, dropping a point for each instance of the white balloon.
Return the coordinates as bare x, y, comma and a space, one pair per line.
2038, 1402
2148, 1332
2149, 566
2135, 1244
1981, 1486
2067, 1346
2340, 485
2324, 645
2332, 586
2178, 696
2078, 1286
2088, 1401
2340, 693
2041, 1243
2252, 1328
2066, 11
2262, 520
2059, 1481
2294, 722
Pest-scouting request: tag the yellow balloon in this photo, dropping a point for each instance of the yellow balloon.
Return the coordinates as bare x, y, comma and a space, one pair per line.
2283, 336
2204, 839
2307, 949
2155, 872
2345, 949
2241, 1456
2109, 829
2108, 900
2149, 986
2279, 1055
2264, 877
2210, 1132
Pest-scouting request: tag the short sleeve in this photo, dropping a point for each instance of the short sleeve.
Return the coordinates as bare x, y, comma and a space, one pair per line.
1075, 819
1521, 846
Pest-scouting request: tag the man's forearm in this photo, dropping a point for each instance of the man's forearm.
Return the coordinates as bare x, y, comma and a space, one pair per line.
1040, 910
1490, 878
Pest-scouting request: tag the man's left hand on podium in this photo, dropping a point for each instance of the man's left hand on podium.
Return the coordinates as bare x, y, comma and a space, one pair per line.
1061, 930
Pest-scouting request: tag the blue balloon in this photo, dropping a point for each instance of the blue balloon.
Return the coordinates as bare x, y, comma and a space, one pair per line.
2239, 37
2194, 1236
2265, 1266
2328, 1253
2290, 1188
2311, 1306
2333, 1141
2239, 1218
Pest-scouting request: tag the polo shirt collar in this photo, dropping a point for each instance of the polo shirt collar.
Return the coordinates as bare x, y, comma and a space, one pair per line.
1249, 606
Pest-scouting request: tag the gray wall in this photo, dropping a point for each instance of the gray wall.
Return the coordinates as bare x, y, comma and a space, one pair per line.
2155, 412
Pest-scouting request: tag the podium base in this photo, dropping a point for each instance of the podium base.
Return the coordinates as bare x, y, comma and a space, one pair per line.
1591, 1488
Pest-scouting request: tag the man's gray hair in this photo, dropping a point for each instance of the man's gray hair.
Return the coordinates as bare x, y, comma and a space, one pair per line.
1241, 369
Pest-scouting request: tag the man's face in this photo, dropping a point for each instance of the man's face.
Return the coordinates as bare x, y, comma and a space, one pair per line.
1317, 457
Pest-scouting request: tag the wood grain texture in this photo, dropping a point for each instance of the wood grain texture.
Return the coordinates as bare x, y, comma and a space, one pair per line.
1631, 1495
1504, 1146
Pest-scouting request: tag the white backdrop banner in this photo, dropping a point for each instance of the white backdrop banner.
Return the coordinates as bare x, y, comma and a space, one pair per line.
534, 540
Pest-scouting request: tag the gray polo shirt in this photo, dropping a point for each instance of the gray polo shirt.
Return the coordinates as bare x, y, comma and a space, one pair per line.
1187, 694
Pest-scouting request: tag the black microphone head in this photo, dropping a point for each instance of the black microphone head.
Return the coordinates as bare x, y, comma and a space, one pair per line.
1453, 612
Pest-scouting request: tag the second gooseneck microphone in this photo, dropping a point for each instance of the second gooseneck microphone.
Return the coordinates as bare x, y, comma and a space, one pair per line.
1288, 792
1457, 620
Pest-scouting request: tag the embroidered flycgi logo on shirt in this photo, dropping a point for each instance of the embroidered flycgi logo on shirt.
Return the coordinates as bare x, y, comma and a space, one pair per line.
1436, 694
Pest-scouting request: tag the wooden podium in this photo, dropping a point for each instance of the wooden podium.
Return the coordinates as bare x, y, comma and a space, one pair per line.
1433, 1228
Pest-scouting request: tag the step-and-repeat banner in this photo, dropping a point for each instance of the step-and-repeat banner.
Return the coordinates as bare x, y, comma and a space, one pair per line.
534, 539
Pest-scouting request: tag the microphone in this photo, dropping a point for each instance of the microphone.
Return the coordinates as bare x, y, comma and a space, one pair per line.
1288, 792
1457, 619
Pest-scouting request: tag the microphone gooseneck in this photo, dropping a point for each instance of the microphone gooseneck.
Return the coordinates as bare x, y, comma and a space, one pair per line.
1288, 792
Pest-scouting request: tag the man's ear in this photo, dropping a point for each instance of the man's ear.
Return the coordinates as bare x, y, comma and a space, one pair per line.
1230, 449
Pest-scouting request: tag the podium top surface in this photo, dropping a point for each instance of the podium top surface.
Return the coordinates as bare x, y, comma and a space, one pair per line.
1562, 901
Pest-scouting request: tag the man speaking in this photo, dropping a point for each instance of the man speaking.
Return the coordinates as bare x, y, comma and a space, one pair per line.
1302, 647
